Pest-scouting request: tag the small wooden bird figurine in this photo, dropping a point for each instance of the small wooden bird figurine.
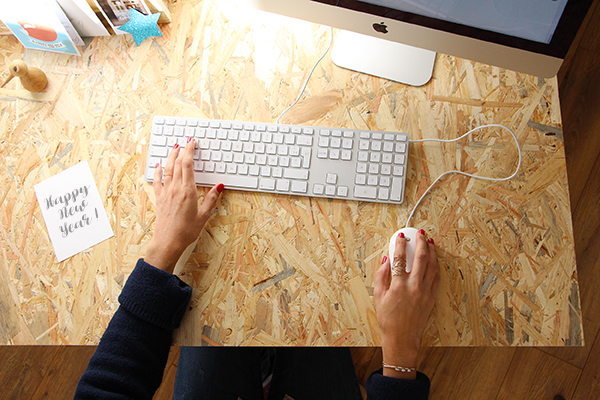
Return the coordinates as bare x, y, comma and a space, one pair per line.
32, 79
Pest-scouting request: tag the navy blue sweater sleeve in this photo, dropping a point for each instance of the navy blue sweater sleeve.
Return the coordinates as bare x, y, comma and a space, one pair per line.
131, 356
383, 387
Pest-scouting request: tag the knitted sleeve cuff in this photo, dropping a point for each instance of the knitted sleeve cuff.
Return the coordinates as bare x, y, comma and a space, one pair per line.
156, 296
383, 387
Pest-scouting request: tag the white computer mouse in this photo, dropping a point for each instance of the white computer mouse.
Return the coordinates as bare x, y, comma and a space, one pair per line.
411, 237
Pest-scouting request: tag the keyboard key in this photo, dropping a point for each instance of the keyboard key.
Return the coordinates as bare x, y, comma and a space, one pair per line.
296, 162
330, 190
398, 170
299, 186
158, 141
158, 151
318, 188
306, 152
265, 171
304, 141
331, 178
233, 181
342, 191
365, 192
283, 185
254, 170
384, 194
292, 173
396, 192
266, 184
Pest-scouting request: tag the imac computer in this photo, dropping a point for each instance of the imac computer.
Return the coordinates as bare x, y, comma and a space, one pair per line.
397, 39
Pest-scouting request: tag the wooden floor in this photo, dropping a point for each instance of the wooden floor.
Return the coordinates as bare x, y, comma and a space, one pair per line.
456, 373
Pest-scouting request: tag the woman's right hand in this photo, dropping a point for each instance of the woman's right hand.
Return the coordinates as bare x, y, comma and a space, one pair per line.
404, 303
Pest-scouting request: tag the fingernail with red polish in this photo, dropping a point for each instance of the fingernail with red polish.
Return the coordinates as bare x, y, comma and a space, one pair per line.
384, 259
156, 166
220, 187
421, 231
430, 240
402, 235
189, 139
176, 145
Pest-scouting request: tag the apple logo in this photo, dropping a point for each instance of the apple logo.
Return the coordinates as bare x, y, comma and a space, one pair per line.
381, 28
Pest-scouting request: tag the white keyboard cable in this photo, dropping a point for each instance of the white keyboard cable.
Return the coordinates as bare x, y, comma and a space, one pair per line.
464, 173
309, 75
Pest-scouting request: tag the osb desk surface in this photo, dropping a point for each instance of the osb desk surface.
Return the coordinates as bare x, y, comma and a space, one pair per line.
276, 269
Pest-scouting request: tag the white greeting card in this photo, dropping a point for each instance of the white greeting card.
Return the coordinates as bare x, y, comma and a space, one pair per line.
73, 211
83, 18
40, 25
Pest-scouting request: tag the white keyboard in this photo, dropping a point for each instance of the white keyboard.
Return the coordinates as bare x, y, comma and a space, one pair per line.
349, 164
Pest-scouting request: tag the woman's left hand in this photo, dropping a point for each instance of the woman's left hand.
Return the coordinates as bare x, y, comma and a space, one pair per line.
179, 219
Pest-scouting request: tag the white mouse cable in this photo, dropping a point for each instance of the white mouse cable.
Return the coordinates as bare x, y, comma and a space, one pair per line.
464, 173
309, 75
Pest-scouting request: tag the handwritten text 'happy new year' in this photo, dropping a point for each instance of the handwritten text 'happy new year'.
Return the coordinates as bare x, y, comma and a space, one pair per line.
70, 204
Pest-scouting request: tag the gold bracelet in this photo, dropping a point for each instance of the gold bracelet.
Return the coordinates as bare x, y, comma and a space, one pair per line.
399, 369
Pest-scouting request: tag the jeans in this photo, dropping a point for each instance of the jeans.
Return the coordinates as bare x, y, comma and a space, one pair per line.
303, 373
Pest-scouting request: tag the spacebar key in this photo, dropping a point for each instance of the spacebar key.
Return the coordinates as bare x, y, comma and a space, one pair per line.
235, 181
365, 192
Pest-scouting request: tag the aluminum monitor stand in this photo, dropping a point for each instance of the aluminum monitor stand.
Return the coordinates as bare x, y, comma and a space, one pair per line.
390, 60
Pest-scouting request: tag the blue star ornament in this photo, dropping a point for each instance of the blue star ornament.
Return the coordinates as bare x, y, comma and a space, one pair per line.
141, 26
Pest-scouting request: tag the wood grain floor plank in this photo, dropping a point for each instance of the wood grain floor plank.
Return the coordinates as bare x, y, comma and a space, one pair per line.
588, 386
470, 373
23, 369
64, 372
534, 374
